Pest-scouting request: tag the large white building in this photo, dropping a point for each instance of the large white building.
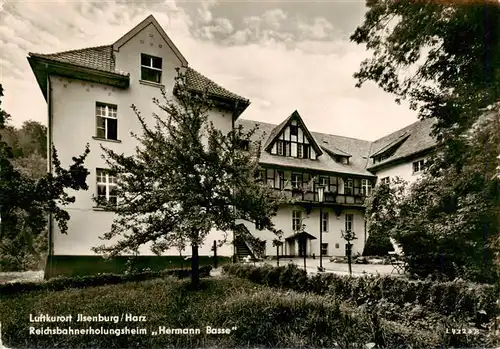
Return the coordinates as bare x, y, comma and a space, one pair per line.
298, 161
89, 93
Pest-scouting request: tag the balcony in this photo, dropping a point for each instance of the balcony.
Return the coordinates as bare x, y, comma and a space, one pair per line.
333, 198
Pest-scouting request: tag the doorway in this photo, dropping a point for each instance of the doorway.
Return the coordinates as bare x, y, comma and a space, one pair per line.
302, 247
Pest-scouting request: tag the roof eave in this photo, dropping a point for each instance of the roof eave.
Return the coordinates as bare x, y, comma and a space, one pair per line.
298, 167
332, 153
237, 106
401, 159
42, 67
40, 75
391, 145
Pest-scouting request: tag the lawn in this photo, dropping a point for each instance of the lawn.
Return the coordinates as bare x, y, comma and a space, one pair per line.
246, 314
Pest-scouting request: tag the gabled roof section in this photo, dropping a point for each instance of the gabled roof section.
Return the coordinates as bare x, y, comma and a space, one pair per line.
334, 151
138, 28
98, 58
413, 139
357, 148
199, 82
391, 145
276, 132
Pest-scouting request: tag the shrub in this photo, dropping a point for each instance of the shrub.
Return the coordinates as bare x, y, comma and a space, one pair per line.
263, 317
378, 245
61, 283
453, 297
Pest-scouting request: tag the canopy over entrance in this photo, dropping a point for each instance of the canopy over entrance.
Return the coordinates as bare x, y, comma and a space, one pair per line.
302, 238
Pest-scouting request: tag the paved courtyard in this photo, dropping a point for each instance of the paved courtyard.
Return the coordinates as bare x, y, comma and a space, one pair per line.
312, 268
336, 268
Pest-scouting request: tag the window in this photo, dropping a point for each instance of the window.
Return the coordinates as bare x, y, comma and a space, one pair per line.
366, 187
324, 222
259, 225
300, 151
287, 151
349, 222
296, 220
323, 181
296, 180
279, 147
281, 179
349, 187
294, 130
418, 166
150, 68
306, 151
106, 122
106, 187
385, 180
342, 159
337, 245
324, 249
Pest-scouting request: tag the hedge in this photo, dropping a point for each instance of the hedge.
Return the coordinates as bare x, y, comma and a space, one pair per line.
445, 297
61, 283
70, 266
263, 317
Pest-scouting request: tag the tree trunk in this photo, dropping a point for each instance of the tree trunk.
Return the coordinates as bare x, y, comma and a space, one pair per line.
215, 254
349, 246
278, 255
305, 263
195, 267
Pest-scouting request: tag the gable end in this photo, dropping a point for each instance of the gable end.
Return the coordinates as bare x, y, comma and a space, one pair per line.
138, 28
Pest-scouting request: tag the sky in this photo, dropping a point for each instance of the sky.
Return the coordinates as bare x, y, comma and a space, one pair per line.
282, 55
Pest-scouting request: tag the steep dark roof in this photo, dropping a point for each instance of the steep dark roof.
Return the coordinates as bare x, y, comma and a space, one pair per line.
391, 145
199, 82
278, 129
415, 138
101, 58
358, 149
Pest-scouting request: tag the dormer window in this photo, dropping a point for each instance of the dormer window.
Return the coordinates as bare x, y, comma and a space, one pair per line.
292, 139
151, 68
342, 159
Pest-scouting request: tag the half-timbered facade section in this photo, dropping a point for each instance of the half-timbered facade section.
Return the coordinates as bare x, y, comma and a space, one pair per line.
296, 162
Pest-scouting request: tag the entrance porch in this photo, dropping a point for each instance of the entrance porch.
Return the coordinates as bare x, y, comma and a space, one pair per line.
299, 244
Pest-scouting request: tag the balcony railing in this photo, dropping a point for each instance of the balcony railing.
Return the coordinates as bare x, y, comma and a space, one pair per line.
329, 197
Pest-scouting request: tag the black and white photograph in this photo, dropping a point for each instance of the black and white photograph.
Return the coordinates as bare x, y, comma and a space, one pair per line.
250, 174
